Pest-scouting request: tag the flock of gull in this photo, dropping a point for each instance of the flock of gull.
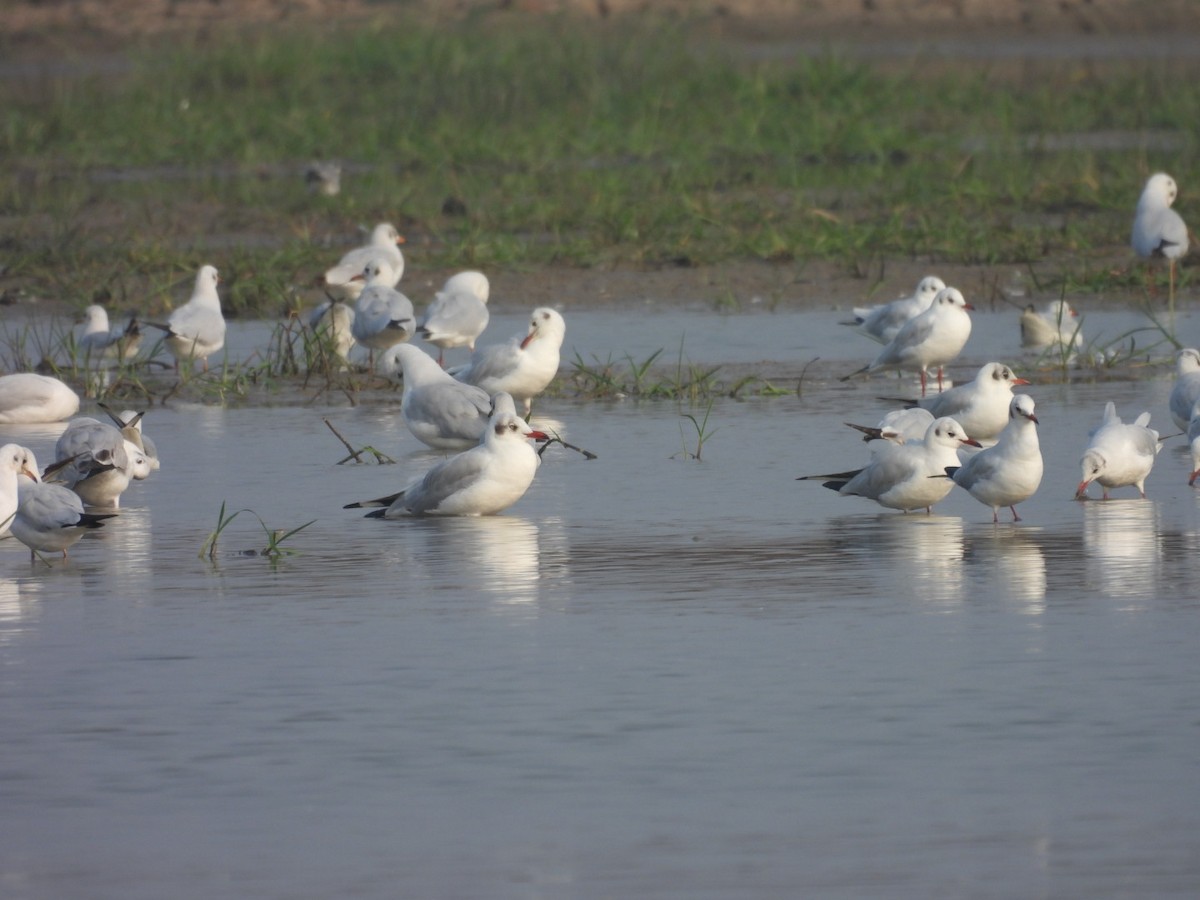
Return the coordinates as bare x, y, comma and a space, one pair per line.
978, 435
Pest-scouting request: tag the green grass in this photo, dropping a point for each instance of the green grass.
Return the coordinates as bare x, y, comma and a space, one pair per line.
567, 145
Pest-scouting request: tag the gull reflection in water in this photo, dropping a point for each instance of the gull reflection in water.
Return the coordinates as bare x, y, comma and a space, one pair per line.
496, 555
1121, 538
927, 552
1011, 564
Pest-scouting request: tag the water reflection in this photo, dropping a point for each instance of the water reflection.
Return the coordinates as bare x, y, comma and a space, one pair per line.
1122, 539
928, 554
1011, 563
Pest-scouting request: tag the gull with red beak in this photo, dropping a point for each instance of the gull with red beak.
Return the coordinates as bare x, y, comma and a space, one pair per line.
1009, 472
525, 365
1119, 454
384, 247
980, 406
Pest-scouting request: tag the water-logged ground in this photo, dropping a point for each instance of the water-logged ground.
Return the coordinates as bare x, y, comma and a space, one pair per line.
653, 677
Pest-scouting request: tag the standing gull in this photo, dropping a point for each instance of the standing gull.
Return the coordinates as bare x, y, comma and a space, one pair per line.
49, 517
384, 247
13, 464
525, 365
1159, 231
383, 317
981, 405
438, 409
1186, 390
1119, 454
1009, 472
98, 339
880, 323
196, 330
458, 313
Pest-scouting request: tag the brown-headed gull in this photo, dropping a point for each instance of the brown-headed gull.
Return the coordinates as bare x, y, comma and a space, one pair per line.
458, 313
383, 317
50, 518
1055, 325
1119, 454
482, 481
525, 365
196, 330
905, 476
1009, 472
97, 339
934, 338
92, 459
14, 462
384, 247
881, 323
900, 426
27, 398
1186, 390
1159, 231
438, 409
981, 405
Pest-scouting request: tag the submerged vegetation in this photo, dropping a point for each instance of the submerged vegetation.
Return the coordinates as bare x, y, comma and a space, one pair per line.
496, 145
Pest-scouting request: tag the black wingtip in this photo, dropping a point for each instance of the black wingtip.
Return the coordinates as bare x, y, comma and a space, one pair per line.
376, 514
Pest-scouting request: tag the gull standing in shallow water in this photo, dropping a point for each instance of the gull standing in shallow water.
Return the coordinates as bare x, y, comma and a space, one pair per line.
1009, 472
481, 481
934, 338
458, 313
97, 339
91, 458
49, 517
1055, 325
525, 365
1119, 454
1159, 231
383, 317
881, 323
196, 330
980, 406
27, 398
438, 409
905, 476
384, 247
1186, 390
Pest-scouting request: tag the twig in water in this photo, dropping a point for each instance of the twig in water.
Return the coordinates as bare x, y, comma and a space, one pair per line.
555, 439
356, 455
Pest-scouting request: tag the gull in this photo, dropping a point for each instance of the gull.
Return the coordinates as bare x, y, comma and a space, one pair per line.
92, 460
27, 398
1159, 231
1193, 434
980, 405
334, 320
482, 481
130, 424
383, 317
1055, 325
97, 339
324, 177
1119, 454
197, 329
1009, 472
50, 518
880, 323
933, 338
438, 409
384, 247
1186, 390
906, 476
525, 365
13, 464
457, 314
899, 426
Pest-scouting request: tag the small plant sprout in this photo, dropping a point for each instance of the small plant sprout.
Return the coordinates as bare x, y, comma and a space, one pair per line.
702, 433
275, 536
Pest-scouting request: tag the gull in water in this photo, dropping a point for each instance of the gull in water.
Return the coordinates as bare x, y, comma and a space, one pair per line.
14, 462
438, 409
1186, 390
934, 338
980, 406
91, 458
196, 330
27, 398
49, 518
383, 317
383, 248
1159, 231
1193, 434
482, 481
1009, 472
458, 313
97, 339
1056, 325
525, 365
130, 425
880, 323
1119, 454
905, 476
333, 321
900, 426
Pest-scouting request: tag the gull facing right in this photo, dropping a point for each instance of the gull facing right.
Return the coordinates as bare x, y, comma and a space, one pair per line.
881, 323
1009, 472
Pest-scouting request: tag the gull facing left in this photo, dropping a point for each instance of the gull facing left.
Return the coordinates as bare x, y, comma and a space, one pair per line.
1119, 454
881, 323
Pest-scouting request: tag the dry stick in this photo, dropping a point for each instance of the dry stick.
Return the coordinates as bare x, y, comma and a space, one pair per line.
555, 439
356, 455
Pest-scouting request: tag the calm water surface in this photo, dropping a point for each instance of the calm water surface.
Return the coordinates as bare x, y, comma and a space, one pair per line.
653, 677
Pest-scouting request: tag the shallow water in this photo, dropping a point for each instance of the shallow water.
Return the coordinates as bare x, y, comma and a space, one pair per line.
653, 677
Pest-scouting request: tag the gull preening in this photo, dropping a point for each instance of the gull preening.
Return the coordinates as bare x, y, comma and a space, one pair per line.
1159, 231
524, 366
933, 338
458, 313
97, 339
383, 317
1186, 390
905, 476
438, 409
384, 247
1055, 325
1119, 454
1009, 472
93, 460
981, 405
196, 330
482, 481
49, 517
27, 398
881, 323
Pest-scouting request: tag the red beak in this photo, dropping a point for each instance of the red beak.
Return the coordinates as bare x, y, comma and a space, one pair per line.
538, 436
529, 337
971, 442
968, 306
1021, 381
